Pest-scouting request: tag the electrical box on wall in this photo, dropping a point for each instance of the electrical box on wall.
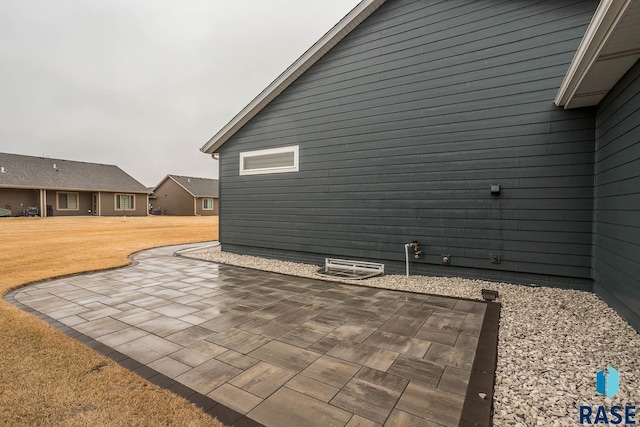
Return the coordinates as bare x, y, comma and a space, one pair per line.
495, 258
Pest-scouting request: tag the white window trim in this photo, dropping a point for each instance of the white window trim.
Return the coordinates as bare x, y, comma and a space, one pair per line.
77, 208
115, 202
295, 149
212, 204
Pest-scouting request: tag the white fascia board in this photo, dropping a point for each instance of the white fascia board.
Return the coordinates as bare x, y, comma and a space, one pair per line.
602, 25
310, 57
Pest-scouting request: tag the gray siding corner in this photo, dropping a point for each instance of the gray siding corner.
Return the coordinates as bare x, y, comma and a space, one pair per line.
616, 243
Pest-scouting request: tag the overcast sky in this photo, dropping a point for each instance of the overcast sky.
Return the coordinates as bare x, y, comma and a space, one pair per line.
143, 84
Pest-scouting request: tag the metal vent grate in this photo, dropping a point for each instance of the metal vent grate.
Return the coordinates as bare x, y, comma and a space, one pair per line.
350, 269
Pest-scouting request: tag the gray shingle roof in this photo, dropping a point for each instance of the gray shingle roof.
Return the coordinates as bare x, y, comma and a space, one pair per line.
198, 187
18, 171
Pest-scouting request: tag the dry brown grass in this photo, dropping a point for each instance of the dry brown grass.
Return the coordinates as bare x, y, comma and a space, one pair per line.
48, 379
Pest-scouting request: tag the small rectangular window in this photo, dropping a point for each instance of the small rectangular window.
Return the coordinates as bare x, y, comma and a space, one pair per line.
272, 160
207, 204
68, 201
125, 202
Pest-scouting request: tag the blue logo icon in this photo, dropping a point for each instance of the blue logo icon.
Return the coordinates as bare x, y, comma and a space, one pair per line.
608, 382
608, 385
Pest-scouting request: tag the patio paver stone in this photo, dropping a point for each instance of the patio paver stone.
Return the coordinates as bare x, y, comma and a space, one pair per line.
260, 348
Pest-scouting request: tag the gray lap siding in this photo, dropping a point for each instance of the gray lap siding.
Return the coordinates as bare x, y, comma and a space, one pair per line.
402, 129
616, 243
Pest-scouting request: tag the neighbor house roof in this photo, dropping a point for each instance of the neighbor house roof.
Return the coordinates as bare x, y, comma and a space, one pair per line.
608, 50
197, 187
18, 171
310, 57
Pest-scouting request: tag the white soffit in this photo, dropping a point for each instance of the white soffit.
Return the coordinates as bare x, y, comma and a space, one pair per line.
609, 48
310, 57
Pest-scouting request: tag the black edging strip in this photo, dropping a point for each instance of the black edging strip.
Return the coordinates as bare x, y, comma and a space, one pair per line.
476, 410
222, 413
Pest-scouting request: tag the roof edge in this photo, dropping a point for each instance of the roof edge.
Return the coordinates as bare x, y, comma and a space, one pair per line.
166, 177
180, 185
604, 21
310, 57
79, 190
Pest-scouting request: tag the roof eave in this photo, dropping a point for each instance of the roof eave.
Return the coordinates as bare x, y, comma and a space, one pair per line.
310, 57
601, 27
80, 190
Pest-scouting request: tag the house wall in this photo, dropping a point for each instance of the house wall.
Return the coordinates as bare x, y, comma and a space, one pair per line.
200, 211
84, 203
405, 125
16, 197
172, 199
17, 200
108, 205
616, 248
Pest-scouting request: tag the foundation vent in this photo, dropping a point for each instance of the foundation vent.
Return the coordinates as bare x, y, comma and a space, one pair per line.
350, 269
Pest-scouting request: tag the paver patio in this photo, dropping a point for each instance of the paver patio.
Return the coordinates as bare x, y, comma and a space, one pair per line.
259, 348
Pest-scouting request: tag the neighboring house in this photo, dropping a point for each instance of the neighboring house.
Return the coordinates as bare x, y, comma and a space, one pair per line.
59, 187
435, 121
185, 195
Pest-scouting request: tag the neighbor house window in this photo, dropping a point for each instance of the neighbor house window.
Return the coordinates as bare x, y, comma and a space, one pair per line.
125, 202
68, 201
272, 160
207, 204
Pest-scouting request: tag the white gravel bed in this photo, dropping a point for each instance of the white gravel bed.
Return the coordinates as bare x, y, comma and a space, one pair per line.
551, 342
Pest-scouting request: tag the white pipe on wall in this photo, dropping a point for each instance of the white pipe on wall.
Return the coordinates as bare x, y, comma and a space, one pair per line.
406, 256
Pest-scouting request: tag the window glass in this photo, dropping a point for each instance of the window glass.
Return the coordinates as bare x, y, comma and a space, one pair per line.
68, 201
124, 202
273, 160
278, 160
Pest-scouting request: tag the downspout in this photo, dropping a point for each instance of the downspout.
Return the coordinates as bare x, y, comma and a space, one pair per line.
195, 206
